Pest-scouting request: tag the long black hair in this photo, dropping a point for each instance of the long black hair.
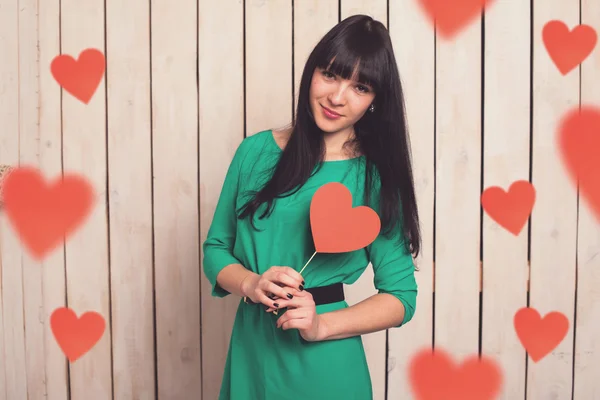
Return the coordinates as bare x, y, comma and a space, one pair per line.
359, 42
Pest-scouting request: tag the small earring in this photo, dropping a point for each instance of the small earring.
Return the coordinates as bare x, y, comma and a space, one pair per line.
372, 108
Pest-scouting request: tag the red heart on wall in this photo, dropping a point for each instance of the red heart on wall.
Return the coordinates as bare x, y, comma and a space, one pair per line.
579, 142
568, 49
434, 376
76, 336
42, 214
509, 209
539, 336
336, 226
79, 77
452, 16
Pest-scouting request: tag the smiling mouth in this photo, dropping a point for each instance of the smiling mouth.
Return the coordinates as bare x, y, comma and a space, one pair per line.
331, 111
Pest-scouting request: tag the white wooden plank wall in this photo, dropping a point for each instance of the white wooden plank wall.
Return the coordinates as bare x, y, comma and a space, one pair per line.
176, 214
505, 160
415, 55
587, 346
15, 358
554, 217
87, 252
185, 82
39, 110
221, 93
458, 175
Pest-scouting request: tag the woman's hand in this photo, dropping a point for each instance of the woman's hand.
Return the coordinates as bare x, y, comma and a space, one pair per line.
302, 315
277, 281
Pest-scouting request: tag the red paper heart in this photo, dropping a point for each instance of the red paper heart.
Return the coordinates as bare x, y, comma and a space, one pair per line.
434, 376
76, 336
82, 77
42, 214
568, 49
510, 210
539, 336
579, 142
452, 16
336, 226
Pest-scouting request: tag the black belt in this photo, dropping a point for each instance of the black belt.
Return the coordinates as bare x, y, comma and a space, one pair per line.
322, 294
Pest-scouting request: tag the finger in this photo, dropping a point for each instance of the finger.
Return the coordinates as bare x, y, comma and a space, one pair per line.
283, 276
297, 301
291, 314
294, 274
273, 288
264, 299
297, 323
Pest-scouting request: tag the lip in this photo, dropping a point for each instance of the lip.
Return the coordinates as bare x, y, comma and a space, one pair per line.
329, 113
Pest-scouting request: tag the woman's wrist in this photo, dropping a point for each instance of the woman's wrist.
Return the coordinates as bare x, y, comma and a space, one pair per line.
246, 283
322, 333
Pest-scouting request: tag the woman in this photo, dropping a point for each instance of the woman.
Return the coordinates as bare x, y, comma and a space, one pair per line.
349, 128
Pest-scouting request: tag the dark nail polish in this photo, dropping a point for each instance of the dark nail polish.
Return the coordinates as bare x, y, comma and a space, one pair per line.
276, 305
289, 296
266, 308
301, 288
303, 282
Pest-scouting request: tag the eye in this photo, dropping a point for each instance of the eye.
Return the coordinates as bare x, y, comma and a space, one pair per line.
328, 74
363, 88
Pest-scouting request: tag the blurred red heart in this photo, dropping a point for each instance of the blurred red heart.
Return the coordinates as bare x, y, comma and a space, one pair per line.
44, 215
452, 16
434, 376
579, 142
336, 226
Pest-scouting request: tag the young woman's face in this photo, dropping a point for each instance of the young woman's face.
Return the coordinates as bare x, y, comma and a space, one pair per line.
337, 104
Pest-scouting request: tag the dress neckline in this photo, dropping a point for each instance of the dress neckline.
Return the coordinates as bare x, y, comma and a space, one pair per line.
329, 162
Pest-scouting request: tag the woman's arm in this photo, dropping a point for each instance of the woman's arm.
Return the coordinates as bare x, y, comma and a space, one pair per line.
378, 312
235, 279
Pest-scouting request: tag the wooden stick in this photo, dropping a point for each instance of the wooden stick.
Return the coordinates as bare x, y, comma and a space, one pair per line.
307, 262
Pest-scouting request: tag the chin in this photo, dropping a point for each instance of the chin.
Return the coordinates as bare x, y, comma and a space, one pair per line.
328, 126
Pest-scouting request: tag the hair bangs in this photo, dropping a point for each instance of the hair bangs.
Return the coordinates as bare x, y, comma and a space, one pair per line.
356, 60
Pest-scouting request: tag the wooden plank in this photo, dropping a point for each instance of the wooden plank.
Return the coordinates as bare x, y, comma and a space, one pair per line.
221, 86
458, 172
377, 9
268, 64
175, 172
13, 370
587, 343
553, 233
312, 20
374, 343
40, 147
414, 47
130, 197
84, 152
506, 159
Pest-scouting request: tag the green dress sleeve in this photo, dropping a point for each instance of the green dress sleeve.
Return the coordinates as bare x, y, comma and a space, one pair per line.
218, 246
394, 269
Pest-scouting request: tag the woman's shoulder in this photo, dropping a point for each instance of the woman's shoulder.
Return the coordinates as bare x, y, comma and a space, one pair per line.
257, 150
260, 140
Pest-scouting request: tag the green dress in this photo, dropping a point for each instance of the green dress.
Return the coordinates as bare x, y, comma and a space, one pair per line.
265, 362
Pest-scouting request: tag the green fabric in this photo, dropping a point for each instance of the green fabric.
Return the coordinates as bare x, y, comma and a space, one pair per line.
265, 362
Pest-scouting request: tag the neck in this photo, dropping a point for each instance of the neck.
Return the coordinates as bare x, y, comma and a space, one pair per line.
334, 143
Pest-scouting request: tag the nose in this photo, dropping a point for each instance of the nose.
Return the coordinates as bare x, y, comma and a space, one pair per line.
336, 96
